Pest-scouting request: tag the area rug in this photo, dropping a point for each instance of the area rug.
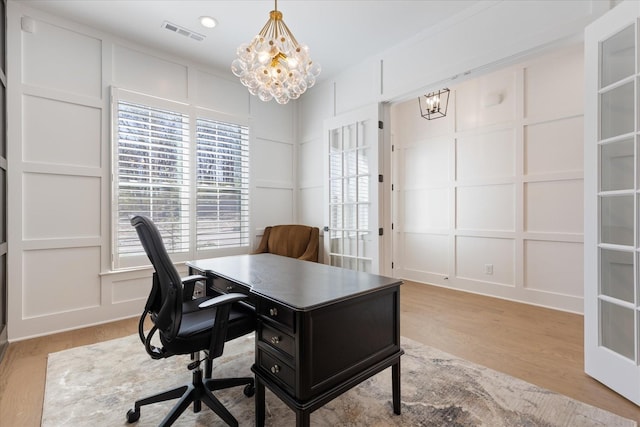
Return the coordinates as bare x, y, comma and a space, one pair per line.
95, 385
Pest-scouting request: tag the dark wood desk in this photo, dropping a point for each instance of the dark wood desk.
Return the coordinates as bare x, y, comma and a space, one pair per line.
321, 329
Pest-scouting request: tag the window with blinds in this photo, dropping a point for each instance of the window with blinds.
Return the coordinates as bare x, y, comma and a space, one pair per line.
189, 174
222, 185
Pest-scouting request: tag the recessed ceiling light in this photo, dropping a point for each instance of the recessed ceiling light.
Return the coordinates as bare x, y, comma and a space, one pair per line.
208, 22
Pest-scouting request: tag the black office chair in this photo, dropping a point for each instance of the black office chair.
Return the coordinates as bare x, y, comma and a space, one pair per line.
188, 326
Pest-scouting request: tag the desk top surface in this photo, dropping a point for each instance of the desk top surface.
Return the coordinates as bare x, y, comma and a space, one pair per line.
301, 285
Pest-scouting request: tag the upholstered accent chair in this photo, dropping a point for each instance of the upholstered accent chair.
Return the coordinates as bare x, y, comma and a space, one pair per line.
292, 240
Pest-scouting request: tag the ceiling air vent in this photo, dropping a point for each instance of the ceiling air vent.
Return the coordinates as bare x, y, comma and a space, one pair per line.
183, 31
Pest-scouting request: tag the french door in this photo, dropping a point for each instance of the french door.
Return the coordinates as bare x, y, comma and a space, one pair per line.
612, 200
352, 190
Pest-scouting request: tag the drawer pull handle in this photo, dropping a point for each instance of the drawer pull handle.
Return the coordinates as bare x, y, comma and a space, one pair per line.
275, 340
275, 369
229, 288
273, 311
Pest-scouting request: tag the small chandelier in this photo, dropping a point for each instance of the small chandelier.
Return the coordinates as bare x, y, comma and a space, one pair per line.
274, 64
434, 105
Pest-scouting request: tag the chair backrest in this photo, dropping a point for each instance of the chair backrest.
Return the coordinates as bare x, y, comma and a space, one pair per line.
165, 300
292, 240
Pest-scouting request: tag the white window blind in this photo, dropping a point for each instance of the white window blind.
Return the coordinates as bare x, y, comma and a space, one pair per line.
222, 185
189, 174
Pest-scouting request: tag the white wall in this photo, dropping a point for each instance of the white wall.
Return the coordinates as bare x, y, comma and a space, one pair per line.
496, 184
485, 39
59, 153
490, 33
59, 176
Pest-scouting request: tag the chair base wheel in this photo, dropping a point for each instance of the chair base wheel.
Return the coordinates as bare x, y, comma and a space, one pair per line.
249, 390
133, 415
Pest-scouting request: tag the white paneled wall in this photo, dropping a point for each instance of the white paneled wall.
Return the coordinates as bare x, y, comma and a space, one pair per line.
59, 215
63, 71
273, 172
490, 198
55, 222
438, 57
149, 74
474, 252
41, 125
60, 76
48, 295
487, 33
540, 139
317, 105
60, 206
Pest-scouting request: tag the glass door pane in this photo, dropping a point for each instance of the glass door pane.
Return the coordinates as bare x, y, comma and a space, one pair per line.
618, 57
617, 329
352, 212
617, 166
617, 111
617, 220
616, 274
348, 195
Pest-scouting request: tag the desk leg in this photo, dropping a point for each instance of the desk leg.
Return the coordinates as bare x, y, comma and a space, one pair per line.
260, 413
303, 419
395, 385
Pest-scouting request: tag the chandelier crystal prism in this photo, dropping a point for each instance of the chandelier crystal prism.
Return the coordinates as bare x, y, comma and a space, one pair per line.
274, 65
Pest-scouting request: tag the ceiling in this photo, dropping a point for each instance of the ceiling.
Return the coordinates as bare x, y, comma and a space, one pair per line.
339, 33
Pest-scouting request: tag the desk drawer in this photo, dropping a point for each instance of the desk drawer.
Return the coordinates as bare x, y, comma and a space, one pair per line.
277, 313
276, 368
226, 287
276, 339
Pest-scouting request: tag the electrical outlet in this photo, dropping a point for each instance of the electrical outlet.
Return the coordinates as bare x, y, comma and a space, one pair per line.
488, 269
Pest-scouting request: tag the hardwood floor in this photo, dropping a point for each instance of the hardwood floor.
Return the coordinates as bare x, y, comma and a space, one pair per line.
538, 345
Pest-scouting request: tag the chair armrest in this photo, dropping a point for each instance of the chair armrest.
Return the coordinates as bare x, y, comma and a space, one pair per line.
189, 284
193, 278
311, 253
219, 332
264, 243
222, 299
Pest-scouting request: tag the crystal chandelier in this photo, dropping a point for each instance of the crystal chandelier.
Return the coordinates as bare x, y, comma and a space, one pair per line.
274, 64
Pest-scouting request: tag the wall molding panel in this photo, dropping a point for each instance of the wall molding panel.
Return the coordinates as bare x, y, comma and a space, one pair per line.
59, 267
490, 197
